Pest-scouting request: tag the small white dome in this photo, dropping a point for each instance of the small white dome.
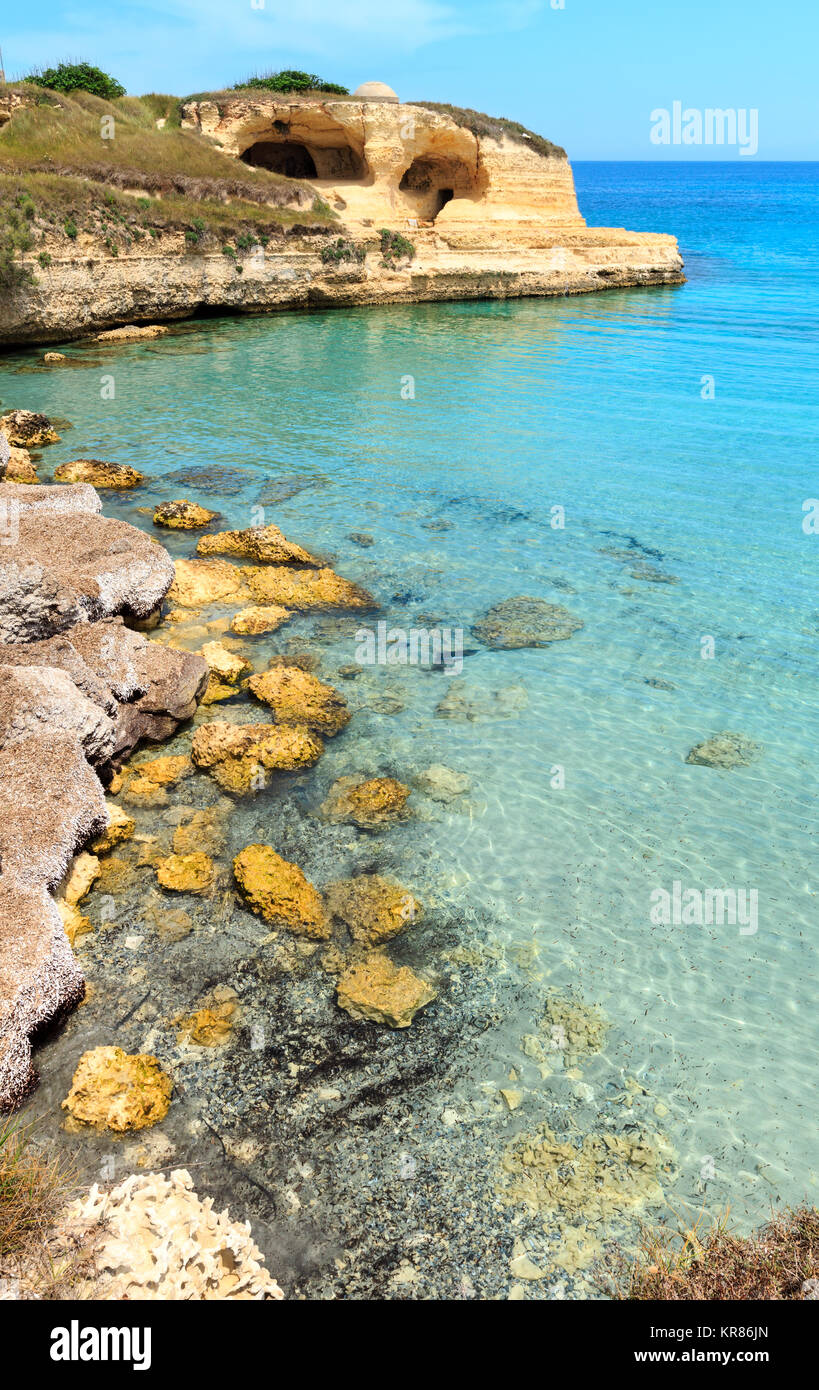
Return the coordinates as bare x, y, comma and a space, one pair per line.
375, 91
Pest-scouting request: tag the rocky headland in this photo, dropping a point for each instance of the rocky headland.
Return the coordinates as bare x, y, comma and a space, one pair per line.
377, 201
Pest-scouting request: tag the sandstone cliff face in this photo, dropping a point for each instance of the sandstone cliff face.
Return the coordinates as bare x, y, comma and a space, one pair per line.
489, 218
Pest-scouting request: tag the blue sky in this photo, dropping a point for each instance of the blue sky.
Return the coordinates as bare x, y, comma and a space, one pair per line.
587, 75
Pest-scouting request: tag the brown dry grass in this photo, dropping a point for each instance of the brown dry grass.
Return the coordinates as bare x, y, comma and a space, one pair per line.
34, 1189
718, 1264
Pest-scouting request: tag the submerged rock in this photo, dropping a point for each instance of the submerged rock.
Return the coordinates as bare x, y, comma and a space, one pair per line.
186, 873
296, 697
238, 755
373, 908
205, 831
265, 544
371, 804
471, 703
526, 622
212, 1023
280, 893
306, 589
724, 751
99, 474
198, 583
112, 1089
379, 991
182, 515
253, 622
25, 429
151, 1237
442, 783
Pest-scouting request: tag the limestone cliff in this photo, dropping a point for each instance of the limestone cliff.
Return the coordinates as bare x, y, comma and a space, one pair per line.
489, 216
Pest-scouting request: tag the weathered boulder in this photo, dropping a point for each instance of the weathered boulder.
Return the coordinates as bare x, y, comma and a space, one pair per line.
76, 500
526, 622
280, 893
112, 1089
296, 697
442, 783
377, 802
99, 473
378, 991
60, 570
264, 544
26, 429
19, 467
226, 670
37, 698
182, 515
373, 908
305, 589
120, 828
238, 756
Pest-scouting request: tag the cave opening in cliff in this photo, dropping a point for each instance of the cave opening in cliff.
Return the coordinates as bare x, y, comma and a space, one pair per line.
432, 181
286, 157
297, 160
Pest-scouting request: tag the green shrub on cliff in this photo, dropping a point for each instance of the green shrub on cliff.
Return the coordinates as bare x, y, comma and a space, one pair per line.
291, 80
394, 248
15, 240
342, 250
495, 128
77, 77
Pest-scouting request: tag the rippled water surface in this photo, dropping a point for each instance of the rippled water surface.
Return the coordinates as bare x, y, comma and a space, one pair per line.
581, 803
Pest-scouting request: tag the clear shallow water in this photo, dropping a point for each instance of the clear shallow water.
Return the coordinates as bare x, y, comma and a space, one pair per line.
593, 404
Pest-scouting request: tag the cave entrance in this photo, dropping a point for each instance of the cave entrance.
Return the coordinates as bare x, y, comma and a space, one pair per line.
432, 181
286, 157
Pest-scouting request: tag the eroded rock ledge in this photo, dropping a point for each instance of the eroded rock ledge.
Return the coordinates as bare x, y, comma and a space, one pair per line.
78, 691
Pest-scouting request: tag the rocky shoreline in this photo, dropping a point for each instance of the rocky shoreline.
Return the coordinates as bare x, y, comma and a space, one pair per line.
79, 690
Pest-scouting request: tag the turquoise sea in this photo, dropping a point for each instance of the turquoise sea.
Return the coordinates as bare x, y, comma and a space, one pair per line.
676, 427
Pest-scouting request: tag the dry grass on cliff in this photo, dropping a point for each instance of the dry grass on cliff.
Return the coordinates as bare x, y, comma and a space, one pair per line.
66, 135
719, 1265
34, 1190
495, 127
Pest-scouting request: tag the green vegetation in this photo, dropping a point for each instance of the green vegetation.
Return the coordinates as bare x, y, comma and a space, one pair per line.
15, 239
683, 1265
395, 248
34, 1189
77, 77
62, 182
495, 127
291, 80
342, 250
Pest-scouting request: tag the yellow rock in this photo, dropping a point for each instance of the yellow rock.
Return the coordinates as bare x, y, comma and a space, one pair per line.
280, 893
112, 1089
265, 544
378, 990
83, 872
225, 664
19, 468
379, 801
182, 515
120, 828
305, 589
238, 756
75, 924
512, 1098
25, 429
211, 1024
166, 772
186, 873
198, 583
115, 874
252, 622
296, 697
98, 474
373, 908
